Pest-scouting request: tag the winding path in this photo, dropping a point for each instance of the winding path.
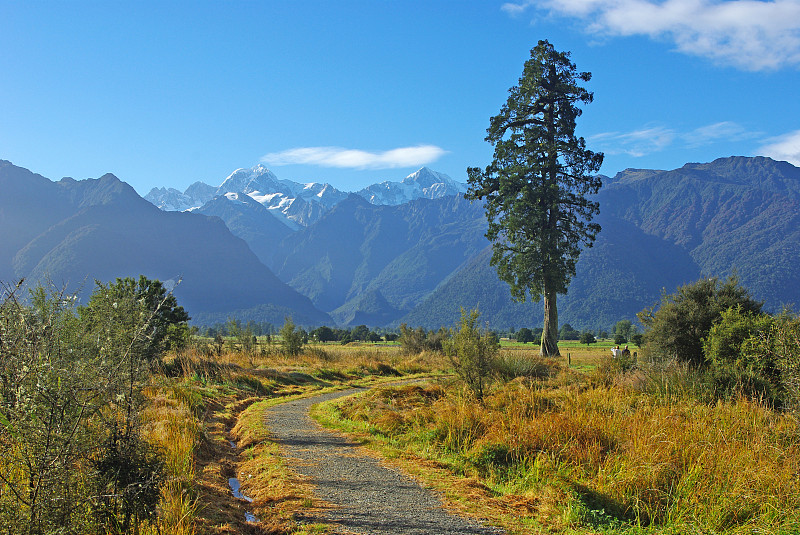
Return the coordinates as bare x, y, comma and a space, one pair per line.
366, 497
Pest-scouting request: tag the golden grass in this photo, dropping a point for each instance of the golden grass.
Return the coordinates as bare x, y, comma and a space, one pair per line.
171, 425
584, 457
202, 402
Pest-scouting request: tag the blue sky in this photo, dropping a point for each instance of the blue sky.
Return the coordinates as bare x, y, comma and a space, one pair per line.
356, 92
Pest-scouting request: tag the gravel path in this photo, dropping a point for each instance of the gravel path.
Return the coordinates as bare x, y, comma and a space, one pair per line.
366, 497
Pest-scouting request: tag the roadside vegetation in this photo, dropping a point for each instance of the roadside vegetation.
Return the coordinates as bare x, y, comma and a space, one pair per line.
115, 418
670, 442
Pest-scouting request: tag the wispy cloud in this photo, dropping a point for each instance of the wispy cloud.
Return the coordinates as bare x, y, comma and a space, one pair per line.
785, 147
356, 159
650, 139
637, 143
750, 34
713, 133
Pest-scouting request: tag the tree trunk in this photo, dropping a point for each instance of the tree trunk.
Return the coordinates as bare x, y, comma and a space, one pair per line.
549, 346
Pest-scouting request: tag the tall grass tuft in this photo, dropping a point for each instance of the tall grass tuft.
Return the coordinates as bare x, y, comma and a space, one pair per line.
642, 453
172, 424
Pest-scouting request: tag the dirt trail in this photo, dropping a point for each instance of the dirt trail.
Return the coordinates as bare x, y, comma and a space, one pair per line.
366, 497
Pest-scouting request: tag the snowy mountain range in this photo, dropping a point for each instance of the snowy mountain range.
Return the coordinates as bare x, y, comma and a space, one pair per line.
299, 205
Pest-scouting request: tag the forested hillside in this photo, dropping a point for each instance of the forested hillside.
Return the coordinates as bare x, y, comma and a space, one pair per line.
71, 233
417, 262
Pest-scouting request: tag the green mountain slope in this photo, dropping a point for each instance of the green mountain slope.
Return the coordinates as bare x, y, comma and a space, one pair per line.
101, 229
734, 214
660, 229
400, 253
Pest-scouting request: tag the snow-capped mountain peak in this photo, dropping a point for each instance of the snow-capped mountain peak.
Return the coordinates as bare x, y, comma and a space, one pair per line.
423, 183
301, 204
258, 178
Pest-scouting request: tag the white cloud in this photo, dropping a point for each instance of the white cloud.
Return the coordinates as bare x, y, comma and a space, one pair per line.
636, 143
751, 34
723, 131
356, 159
785, 148
650, 139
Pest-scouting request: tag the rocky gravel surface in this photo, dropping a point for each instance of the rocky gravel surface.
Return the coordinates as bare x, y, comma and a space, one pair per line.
365, 497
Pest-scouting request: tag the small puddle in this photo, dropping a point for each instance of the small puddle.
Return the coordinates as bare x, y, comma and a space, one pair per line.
235, 485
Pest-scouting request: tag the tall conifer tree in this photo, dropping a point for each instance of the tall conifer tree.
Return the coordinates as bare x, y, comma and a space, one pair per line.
536, 187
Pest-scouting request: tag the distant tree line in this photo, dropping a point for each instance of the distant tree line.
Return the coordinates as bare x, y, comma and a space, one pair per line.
623, 332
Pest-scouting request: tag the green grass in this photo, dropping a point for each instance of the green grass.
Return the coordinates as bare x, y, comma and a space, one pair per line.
568, 455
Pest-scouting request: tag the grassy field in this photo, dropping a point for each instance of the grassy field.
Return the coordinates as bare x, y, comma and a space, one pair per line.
205, 414
571, 445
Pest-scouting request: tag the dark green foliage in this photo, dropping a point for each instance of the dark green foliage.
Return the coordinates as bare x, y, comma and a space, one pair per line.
360, 332
677, 326
129, 475
525, 335
623, 331
472, 351
141, 310
536, 187
70, 397
587, 338
324, 334
567, 332
291, 338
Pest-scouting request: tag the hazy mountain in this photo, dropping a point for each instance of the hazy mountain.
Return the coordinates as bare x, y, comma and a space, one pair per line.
623, 273
299, 205
398, 254
172, 200
418, 261
660, 229
734, 214
250, 220
73, 232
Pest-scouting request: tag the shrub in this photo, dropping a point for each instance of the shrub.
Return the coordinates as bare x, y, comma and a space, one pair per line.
472, 351
525, 335
291, 338
417, 340
676, 329
779, 347
725, 345
587, 338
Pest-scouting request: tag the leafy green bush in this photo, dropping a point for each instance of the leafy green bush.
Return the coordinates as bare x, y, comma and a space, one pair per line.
779, 347
472, 351
728, 343
677, 327
291, 338
66, 379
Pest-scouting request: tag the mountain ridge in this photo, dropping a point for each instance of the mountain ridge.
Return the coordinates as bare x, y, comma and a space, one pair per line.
418, 262
71, 233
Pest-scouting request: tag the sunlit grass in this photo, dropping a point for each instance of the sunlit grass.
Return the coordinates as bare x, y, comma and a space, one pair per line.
578, 455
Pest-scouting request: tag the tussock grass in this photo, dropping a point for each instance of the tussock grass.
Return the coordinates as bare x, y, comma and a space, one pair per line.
633, 454
201, 401
172, 424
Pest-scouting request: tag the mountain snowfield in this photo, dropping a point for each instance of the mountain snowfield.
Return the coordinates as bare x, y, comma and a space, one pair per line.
298, 205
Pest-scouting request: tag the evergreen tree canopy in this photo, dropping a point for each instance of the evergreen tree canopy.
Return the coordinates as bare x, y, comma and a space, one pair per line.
536, 187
